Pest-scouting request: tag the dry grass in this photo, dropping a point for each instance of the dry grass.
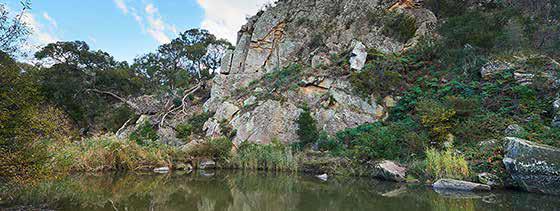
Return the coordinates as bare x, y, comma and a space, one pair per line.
107, 153
446, 164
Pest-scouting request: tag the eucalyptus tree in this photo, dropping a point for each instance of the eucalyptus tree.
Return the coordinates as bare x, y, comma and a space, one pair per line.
13, 28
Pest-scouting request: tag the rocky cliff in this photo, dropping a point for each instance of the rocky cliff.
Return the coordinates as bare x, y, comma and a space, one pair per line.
260, 90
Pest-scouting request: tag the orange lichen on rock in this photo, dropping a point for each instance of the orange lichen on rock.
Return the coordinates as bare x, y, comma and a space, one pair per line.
406, 4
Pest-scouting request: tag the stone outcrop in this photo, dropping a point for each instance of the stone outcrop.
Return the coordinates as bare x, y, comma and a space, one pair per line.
534, 167
296, 32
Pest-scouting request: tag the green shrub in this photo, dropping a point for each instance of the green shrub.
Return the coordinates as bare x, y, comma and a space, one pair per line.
307, 128
274, 156
114, 118
473, 28
371, 141
446, 164
446, 8
480, 127
437, 117
400, 26
539, 131
328, 143
197, 124
464, 107
145, 134
411, 137
380, 75
184, 131
215, 148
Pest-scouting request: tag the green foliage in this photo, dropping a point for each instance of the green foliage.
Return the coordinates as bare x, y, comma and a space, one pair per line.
307, 128
437, 117
400, 26
196, 124
480, 127
539, 131
25, 122
328, 143
282, 79
446, 8
381, 75
487, 157
114, 118
474, 28
193, 55
215, 148
446, 164
371, 141
145, 134
14, 30
184, 131
272, 157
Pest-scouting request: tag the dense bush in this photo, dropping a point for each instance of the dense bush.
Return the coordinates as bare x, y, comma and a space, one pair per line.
307, 128
145, 134
26, 121
328, 143
215, 148
183, 132
400, 26
437, 117
380, 76
371, 141
194, 126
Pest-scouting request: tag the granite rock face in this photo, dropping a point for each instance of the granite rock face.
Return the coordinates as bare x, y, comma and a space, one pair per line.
295, 32
534, 167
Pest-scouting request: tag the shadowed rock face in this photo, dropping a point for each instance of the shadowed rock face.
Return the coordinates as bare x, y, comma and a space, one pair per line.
535, 167
307, 32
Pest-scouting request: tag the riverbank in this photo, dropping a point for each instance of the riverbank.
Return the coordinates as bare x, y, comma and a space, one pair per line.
110, 154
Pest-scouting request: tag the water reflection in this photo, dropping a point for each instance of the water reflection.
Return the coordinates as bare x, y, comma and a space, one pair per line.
227, 190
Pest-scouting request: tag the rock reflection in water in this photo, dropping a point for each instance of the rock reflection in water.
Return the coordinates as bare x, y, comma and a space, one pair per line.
225, 190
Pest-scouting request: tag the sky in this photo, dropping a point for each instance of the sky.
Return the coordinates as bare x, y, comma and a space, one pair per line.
130, 28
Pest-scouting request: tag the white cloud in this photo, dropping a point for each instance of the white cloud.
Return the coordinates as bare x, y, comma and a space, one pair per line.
150, 20
51, 20
224, 18
156, 26
92, 40
121, 5
40, 34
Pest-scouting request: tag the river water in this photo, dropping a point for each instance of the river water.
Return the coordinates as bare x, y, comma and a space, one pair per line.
261, 191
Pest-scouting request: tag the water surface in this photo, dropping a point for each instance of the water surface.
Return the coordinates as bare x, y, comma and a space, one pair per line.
237, 190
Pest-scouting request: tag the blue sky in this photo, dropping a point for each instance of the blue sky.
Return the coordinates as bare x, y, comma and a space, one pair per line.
129, 28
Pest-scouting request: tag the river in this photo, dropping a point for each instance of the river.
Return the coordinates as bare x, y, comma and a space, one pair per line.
261, 191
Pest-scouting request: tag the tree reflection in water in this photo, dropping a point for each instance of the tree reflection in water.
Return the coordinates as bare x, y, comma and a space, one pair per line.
239, 190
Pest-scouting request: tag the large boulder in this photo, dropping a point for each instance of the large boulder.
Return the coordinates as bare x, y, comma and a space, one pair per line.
458, 185
534, 167
389, 170
359, 56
